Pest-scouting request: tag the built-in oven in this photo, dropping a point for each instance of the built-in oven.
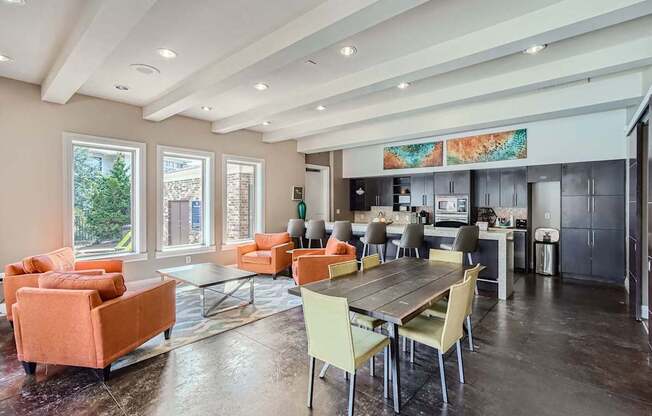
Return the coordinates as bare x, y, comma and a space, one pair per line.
452, 208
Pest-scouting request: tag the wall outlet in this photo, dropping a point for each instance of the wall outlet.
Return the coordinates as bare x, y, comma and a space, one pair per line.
338, 211
546, 215
188, 259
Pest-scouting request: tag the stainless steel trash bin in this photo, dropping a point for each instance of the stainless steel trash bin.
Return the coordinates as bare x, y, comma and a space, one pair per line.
546, 249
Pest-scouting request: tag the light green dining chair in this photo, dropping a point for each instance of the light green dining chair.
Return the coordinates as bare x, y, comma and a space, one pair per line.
369, 262
442, 334
345, 268
446, 255
332, 339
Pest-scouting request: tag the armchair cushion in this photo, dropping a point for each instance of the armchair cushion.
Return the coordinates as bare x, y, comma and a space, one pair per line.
267, 241
258, 257
108, 286
61, 260
335, 247
14, 269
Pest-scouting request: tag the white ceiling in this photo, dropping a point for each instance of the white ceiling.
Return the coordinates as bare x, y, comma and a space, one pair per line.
455, 54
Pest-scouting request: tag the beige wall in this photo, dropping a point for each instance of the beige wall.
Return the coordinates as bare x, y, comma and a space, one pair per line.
31, 147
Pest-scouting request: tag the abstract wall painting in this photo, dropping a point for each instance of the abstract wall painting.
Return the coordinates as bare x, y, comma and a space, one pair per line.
419, 155
506, 145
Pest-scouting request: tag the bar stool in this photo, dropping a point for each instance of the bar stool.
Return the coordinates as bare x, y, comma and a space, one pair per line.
342, 231
296, 228
316, 230
376, 235
412, 238
465, 241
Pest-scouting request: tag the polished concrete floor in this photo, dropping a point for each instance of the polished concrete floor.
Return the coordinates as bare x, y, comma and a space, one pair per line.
553, 349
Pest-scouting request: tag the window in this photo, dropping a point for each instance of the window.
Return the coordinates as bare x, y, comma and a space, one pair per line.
185, 201
104, 210
243, 203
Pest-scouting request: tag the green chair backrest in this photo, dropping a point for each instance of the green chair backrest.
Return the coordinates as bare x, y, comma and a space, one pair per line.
455, 313
336, 270
369, 262
472, 275
446, 255
328, 329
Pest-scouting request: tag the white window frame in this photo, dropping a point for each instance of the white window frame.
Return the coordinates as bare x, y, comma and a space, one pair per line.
208, 185
259, 226
138, 191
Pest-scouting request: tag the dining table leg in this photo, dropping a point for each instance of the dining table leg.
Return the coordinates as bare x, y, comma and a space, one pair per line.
396, 374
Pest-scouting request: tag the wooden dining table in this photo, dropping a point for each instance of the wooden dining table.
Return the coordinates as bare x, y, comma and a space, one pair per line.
394, 292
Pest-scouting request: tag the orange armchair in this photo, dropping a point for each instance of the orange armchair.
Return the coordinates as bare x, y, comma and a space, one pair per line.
76, 328
311, 265
268, 254
26, 272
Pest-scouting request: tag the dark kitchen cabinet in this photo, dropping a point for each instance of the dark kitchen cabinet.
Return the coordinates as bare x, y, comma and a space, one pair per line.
608, 178
576, 179
520, 250
421, 190
576, 251
608, 212
453, 183
513, 188
544, 173
575, 211
358, 195
486, 188
379, 192
608, 254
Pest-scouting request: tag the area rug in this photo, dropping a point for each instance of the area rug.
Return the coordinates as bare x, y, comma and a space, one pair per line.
271, 297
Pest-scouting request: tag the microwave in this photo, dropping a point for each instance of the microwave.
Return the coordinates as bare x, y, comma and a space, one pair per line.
452, 204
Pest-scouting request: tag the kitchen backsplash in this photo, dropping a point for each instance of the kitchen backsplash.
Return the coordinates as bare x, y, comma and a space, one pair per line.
398, 217
518, 213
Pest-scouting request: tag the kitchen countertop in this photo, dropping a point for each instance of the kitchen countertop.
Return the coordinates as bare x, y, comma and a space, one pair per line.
432, 231
518, 230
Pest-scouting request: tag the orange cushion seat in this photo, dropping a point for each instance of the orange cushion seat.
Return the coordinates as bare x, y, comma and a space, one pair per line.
267, 241
108, 286
258, 257
335, 247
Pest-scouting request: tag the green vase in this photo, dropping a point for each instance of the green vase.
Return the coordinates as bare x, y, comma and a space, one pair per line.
301, 208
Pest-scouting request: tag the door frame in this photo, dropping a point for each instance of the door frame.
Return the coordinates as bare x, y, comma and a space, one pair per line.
325, 172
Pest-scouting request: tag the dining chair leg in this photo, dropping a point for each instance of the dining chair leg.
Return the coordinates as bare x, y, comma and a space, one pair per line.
398, 251
311, 380
460, 363
364, 248
412, 351
470, 331
372, 366
301, 242
385, 372
442, 376
352, 394
470, 257
309, 242
322, 373
416, 250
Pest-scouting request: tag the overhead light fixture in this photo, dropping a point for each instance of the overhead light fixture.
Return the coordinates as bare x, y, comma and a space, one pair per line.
348, 51
533, 50
403, 85
167, 53
261, 86
206, 108
15, 2
266, 123
145, 69
121, 87
5, 58
320, 108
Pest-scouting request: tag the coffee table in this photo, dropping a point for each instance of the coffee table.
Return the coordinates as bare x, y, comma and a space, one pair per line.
206, 275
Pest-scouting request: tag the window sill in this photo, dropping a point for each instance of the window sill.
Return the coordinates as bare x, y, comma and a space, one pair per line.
233, 246
185, 251
127, 258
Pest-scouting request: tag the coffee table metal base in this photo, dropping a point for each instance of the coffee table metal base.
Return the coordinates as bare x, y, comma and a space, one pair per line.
226, 295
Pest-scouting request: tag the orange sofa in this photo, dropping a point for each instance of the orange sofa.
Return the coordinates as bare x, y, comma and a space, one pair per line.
268, 254
311, 265
76, 327
26, 272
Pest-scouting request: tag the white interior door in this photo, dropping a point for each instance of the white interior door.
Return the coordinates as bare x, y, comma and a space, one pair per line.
315, 195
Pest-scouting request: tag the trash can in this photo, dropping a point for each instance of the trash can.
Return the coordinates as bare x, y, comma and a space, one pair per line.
546, 249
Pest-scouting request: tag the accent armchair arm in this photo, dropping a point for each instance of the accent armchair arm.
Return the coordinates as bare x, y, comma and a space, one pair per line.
305, 251
109, 266
281, 259
243, 249
11, 284
314, 268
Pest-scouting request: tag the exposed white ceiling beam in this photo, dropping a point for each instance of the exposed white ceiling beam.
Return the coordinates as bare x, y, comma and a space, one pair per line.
320, 27
559, 21
102, 26
615, 91
625, 56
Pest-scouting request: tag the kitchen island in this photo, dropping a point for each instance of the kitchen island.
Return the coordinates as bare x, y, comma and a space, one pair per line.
495, 250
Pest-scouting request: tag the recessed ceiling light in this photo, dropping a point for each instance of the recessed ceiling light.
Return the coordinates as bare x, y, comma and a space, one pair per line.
534, 49
320, 108
121, 87
266, 123
5, 58
261, 86
16, 2
145, 69
167, 53
403, 85
348, 51
206, 108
